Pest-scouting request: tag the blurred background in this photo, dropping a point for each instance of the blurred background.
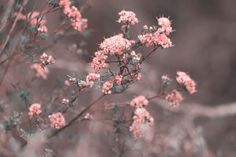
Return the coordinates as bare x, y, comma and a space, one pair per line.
205, 47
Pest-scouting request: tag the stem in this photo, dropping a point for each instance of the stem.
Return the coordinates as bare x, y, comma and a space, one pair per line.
75, 118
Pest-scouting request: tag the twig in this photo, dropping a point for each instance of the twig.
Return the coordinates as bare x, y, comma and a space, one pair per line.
76, 117
12, 27
6, 14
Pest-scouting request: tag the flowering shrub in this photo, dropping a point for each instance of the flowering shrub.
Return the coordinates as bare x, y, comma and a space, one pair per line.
115, 67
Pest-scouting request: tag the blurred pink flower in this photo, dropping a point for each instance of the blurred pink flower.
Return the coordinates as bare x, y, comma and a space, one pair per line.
174, 98
46, 59
91, 78
77, 22
40, 71
184, 79
139, 101
127, 17
141, 119
118, 79
34, 110
57, 120
38, 20
107, 86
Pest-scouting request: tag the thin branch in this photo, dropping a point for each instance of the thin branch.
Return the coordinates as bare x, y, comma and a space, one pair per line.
12, 28
75, 118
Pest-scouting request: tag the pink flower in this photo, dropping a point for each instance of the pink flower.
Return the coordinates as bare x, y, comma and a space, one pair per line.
99, 61
184, 79
57, 120
107, 86
161, 40
139, 101
141, 119
34, 110
174, 98
115, 44
146, 39
37, 20
91, 78
77, 22
165, 24
40, 71
65, 101
46, 59
118, 79
127, 17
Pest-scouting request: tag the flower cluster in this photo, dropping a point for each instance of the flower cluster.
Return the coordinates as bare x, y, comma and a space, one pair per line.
118, 79
77, 22
107, 86
174, 98
127, 17
115, 44
34, 110
46, 59
165, 24
141, 120
139, 101
185, 80
38, 21
99, 61
141, 117
57, 120
40, 71
91, 78
157, 36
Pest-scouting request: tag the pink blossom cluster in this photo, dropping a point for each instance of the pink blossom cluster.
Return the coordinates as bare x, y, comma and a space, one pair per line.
77, 22
46, 59
115, 44
165, 25
141, 119
57, 120
91, 78
40, 71
107, 87
39, 22
34, 110
127, 17
184, 79
99, 61
174, 98
109, 47
139, 101
118, 79
157, 36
